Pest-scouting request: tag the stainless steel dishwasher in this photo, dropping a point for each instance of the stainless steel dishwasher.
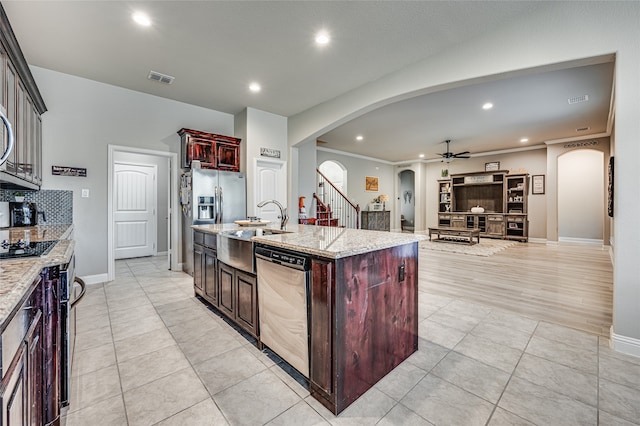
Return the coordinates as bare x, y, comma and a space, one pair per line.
283, 289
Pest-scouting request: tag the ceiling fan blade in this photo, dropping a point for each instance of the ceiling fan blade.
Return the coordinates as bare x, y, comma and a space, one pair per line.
463, 153
461, 156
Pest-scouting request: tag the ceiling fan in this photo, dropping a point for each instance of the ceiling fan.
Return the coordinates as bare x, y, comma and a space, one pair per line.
450, 155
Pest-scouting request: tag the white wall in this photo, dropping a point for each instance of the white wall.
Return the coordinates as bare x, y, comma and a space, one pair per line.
84, 117
261, 129
581, 196
561, 32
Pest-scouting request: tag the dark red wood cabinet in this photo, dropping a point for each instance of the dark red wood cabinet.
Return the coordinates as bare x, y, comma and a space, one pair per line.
363, 321
213, 151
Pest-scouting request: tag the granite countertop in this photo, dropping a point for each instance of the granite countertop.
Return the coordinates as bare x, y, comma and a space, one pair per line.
323, 241
18, 275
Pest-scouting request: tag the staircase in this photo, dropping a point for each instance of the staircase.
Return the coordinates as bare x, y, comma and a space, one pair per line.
344, 212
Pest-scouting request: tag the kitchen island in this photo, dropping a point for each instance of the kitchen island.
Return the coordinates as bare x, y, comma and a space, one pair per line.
362, 304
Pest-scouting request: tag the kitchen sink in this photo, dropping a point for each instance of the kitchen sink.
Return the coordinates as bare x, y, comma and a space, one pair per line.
234, 247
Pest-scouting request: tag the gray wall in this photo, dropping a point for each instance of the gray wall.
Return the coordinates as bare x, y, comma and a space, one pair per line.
85, 117
357, 170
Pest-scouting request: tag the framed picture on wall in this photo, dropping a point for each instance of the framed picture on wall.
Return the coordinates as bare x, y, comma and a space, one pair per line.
537, 184
494, 165
371, 183
610, 189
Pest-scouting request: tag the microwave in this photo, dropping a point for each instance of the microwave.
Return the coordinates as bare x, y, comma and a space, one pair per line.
23, 214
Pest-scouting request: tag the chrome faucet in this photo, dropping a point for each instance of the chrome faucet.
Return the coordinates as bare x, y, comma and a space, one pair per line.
283, 211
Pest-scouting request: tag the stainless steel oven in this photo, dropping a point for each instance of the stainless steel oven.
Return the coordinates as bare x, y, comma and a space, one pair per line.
69, 298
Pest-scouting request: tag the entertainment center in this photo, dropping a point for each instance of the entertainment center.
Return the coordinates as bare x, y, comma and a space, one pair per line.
494, 202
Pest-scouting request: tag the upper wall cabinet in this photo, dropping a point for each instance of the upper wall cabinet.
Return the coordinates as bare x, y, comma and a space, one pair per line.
213, 151
22, 104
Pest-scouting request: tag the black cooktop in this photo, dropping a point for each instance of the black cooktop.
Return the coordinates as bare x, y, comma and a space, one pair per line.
22, 249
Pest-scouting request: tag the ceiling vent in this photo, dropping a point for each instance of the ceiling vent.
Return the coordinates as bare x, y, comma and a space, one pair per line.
160, 78
582, 129
578, 99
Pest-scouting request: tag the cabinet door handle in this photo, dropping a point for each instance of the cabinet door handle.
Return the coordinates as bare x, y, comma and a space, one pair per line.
83, 287
6, 123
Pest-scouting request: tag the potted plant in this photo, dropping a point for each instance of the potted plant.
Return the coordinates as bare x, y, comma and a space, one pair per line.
18, 196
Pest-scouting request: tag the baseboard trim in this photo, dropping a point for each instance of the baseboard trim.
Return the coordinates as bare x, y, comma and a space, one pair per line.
624, 344
538, 240
581, 241
95, 279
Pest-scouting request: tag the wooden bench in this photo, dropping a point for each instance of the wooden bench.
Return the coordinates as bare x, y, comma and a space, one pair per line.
458, 235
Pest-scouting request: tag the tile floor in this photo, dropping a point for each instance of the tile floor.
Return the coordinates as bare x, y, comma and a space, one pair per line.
148, 352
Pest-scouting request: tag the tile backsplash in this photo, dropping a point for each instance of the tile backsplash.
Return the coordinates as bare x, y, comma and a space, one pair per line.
57, 205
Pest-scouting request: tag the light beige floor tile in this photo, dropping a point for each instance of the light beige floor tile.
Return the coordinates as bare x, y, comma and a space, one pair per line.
283, 371
464, 323
93, 359
205, 413
146, 368
123, 330
488, 352
502, 334
92, 321
571, 356
87, 389
440, 402
370, 408
300, 414
428, 355
619, 370
565, 380
400, 380
227, 369
109, 411
606, 419
268, 395
164, 398
540, 405
472, 310
619, 400
401, 416
131, 316
93, 338
439, 334
194, 329
567, 335
517, 322
502, 417
209, 345
145, 343
193, 313
473, 376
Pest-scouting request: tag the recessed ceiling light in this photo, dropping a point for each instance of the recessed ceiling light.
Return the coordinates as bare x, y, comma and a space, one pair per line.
359, 137
488, 105
523, 140
421, 155
322, 38
255, 87
141, 19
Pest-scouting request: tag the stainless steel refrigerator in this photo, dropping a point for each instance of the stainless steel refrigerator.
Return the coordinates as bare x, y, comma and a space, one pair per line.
208, 197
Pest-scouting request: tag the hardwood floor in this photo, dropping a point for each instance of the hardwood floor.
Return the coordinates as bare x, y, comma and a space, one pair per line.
567, 284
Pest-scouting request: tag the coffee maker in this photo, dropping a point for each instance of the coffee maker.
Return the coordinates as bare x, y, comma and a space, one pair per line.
23, 214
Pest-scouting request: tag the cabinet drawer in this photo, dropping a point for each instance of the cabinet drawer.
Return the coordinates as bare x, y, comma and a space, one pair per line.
458, 217
198, 238
210, 240
515, 219
495, 218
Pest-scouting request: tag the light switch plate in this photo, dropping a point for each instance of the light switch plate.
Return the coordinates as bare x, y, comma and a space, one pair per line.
85, 193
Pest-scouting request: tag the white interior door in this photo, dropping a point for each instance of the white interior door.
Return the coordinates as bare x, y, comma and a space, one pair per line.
270, 184
134, 210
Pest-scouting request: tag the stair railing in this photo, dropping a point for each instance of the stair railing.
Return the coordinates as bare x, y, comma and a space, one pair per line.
334, 200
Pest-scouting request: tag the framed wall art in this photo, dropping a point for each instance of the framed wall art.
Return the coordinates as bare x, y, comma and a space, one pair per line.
492, 166
371, 183
610, 189
537, 184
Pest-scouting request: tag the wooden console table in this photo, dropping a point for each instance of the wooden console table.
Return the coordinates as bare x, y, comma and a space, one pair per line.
464, 235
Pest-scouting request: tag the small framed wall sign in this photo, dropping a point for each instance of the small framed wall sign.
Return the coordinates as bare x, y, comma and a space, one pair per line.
537, 184
494, 165
371, 183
